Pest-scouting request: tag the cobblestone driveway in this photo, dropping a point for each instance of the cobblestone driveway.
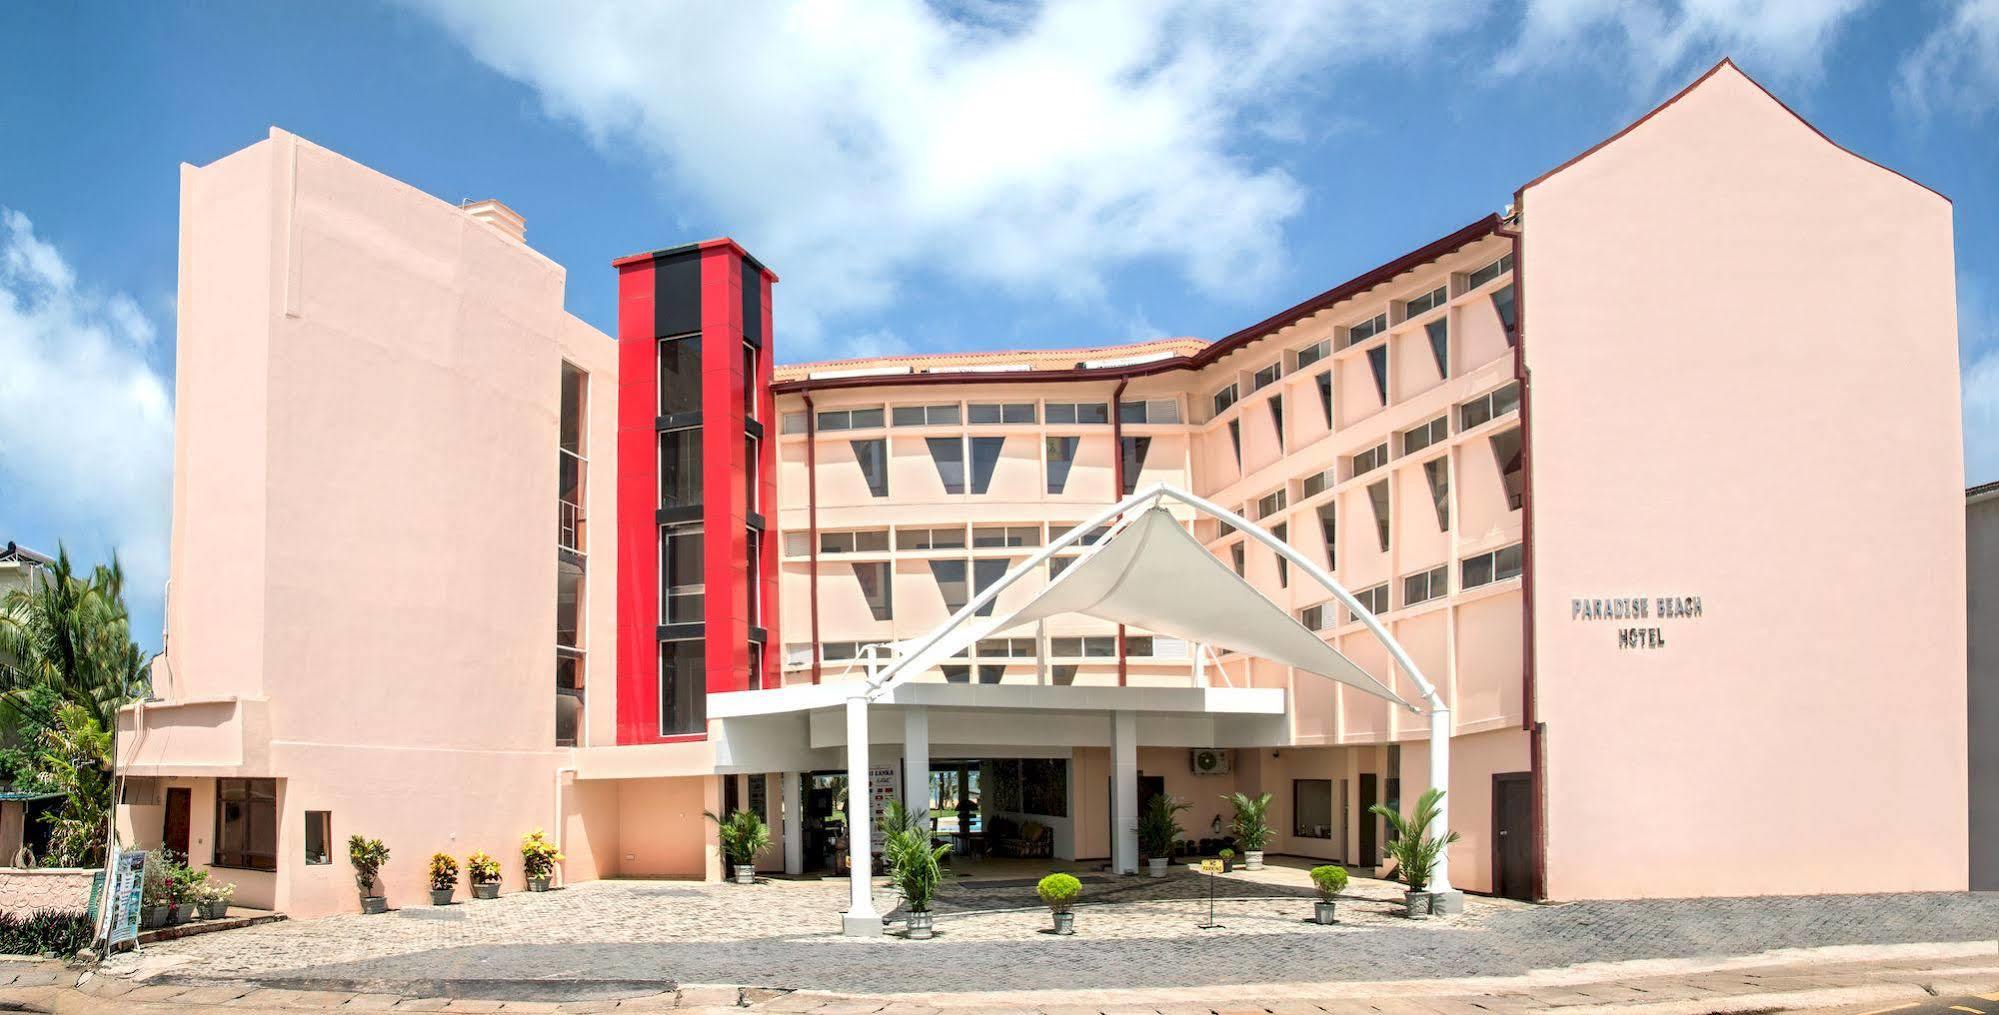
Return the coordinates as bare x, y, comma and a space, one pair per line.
1137, 934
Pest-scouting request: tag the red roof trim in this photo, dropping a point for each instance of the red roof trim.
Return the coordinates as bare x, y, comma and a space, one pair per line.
1214, 351
1682, 93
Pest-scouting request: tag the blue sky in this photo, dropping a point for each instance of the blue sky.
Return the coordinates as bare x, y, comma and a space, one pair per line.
940, 176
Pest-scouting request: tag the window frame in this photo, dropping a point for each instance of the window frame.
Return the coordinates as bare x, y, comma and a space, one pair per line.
222, 857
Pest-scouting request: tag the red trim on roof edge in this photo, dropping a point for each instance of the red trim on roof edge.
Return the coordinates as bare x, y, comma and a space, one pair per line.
1214, 351
1729, 62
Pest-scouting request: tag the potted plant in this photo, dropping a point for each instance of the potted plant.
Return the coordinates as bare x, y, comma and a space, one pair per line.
538, 859
1159, 829
443, 878
743, 835
1415, 850
184, 886
484, 871
914, 867
1058, 892
213, 898
155, 902
1228, 859
367, 857
1252, 832
1330, 880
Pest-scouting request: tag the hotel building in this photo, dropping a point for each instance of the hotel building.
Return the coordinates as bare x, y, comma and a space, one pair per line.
1630, 470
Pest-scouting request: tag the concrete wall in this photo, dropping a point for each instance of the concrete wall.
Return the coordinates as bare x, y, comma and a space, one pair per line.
1742, 345
1982, 565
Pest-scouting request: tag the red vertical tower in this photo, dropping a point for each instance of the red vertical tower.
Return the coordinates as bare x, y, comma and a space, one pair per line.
697, 560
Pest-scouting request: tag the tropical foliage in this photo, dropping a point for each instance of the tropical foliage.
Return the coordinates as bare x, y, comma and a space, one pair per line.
443, 872
45, 932
67, 663
1059, 891
483, 869
1250, 827
368, 857
743, 835
1330, 880
915, 866
1159, 826
539, 856
1414, 849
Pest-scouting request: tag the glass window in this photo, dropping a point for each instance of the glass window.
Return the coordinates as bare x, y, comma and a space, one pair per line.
984, 574
869, 418
1061, 458
1487, 568
984, 413
568, 602
1427, 302
1439, 331
1331, 532
1377, 496
1374, 600
1437, 471
985, 457
877, 589
1314, 353
1509, 313
1236, 558
1325, 381
951, 584
679, 375
683, 687
1277, 418
1425, 585
1235, 438
680, 468
1367, 329
318, 837
1265, 377
1224, 398
751, 464
797, 544
749, 381
1506, 450
1377, 364
1371, 459
1270, 503
1313, 617
948, 454
1283, 533
927, 415
1079, 412
1489, 272
793, 422
1425, 435
1312, 808
246, 824
571, 429
872, 457
682, 576
568, 698
1320, 482
1133, 450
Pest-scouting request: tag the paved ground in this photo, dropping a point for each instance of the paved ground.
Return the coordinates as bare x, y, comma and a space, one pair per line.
618, 938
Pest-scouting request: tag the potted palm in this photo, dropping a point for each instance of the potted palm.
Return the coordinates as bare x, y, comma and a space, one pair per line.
743, 836
1058, 892
914, 867
1158, 830
484, 872
1330, 880
1251, 830
1415, 850
367, 856
538, 859
443, 878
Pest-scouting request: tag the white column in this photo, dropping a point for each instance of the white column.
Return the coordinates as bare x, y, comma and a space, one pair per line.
1200, 663
1041, 674
1440, 779
1124, 793
860, 920
794, 825
916, 760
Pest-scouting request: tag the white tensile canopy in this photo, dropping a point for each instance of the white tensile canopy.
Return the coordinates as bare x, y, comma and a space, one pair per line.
1152, 574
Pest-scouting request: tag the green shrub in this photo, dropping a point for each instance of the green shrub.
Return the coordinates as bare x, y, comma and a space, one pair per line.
443, 872
1159, 826
1059, 891
914, 865
45, 932
743, 835
1415, 849
1249, 826
483, 869
1330, 880
539, 855
368, 857
1226, 853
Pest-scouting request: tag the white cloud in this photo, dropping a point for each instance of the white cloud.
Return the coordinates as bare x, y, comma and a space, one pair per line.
1956, 68
1029, 148
86, 425
1654, 42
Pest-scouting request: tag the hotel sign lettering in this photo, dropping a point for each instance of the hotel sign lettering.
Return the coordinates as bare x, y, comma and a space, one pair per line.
1627, 610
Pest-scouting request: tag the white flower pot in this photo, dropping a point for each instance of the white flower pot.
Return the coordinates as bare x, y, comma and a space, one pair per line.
1156, 866
746, 874
1322, 912
1252, 860
919, 925
1065, 924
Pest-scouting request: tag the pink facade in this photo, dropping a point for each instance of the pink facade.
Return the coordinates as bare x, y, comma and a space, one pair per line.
1529, 439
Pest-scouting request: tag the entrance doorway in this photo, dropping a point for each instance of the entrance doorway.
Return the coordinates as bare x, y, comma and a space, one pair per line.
1513, 836
1370, 853
174, 835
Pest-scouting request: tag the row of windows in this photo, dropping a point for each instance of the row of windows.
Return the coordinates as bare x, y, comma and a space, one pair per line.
948, 455
1424, 586
1137, 646
1147, 411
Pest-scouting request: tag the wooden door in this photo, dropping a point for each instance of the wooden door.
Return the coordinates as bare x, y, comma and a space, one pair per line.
1512, 836
180, 801
1370, 853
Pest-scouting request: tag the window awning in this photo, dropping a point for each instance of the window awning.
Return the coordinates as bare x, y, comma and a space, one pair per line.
1153, 575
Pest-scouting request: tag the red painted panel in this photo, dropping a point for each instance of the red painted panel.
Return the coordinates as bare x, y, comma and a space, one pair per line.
638, 499
724, 534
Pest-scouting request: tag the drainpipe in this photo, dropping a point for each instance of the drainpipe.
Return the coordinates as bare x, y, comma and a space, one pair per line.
1117, 474
812, 522
1537, 756
561, 825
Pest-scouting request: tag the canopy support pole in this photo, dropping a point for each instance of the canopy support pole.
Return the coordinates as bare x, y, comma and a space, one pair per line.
860, 919
1124, 792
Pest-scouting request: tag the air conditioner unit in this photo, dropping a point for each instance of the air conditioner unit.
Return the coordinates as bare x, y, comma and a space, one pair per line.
1209, 761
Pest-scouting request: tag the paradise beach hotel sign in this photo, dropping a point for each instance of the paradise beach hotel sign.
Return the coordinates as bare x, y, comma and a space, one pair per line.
1633, 614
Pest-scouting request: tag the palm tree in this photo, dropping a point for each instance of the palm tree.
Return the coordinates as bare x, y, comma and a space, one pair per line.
1416, 851
71, 635
75, 760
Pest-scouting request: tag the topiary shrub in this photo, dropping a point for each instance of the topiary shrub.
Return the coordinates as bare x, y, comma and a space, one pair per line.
1330, 880
1059, 891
